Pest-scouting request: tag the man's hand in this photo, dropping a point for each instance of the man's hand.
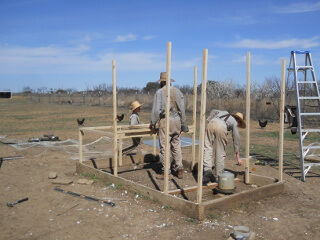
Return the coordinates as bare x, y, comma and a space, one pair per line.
184, 128
152, 126
239, 160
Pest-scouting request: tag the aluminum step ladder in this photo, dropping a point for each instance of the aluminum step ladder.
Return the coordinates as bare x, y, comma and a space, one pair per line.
308, 104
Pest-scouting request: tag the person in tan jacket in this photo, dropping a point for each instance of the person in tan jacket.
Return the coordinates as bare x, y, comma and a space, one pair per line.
177, 123
219, 123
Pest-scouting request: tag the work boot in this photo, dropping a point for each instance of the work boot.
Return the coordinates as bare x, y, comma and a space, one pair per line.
208, 177
180, 173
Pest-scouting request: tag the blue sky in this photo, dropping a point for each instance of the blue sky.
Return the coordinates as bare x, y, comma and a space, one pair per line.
71, 43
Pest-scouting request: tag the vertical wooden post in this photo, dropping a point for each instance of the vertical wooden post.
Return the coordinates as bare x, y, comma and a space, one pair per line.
120, 151
167, 148
194, 120
247, 163
202, 123
154, 145
281, 131
80, 147
115, 135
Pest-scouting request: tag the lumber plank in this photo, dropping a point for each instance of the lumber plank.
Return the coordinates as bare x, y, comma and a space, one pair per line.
194, 188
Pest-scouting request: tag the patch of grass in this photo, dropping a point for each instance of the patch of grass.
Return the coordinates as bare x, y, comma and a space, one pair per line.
213, 216
95, 177
192, 220
144, 197
84, 174
108, 184
167, 207
119, 186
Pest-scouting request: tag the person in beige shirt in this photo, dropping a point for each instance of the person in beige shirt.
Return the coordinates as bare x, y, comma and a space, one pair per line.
177, 123
134, 120
219, 123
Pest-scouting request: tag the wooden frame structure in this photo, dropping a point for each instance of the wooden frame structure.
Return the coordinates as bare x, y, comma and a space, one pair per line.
267, 186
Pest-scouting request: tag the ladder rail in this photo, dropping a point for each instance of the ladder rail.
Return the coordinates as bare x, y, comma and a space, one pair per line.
302, 167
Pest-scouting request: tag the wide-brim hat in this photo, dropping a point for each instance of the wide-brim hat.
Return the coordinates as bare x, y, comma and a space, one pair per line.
239, 116
135, 105
163, 77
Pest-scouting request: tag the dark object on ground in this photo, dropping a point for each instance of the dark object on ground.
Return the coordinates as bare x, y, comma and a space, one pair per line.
293, 130
184, 129
208, 177
290, 113
180, 174
80, 122
45, 137
260, 162
263, 124
84, 197
120, 117
9, 158
14, 203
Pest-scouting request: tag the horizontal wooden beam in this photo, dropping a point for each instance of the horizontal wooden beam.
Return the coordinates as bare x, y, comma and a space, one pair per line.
128, 128
194, 188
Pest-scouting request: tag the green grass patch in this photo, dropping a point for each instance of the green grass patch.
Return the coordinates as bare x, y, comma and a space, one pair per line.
213, 216
119, 186
192, 220
144, 197
95, 177
167, 207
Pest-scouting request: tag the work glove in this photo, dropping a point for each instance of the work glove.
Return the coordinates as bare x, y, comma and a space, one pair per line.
184, 128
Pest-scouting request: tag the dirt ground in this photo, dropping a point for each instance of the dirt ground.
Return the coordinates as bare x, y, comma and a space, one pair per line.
49, 214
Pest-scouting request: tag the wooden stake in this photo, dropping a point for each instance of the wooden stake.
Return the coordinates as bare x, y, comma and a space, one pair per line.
120, 151
80, 147
247, 163
281, 131
202, 122
194, 121
167, 148
115, 137
154, 145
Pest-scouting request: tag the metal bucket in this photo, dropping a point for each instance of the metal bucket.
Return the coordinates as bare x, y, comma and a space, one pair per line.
226, 182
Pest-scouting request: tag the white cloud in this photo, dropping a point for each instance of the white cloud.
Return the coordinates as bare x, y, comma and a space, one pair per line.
299, 8
255, 59
126, 38
47, 60
50, 51
148, 37
241, 20
287, 43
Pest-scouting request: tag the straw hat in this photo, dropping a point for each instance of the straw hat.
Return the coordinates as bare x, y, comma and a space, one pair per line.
240, 117
135, 105
163, 77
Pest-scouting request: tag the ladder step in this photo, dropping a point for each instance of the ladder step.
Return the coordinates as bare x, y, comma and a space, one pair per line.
311, 147
310, 114
309, 82
311, 164
310, 130
300, 68
310, 98
301, 51
303, 67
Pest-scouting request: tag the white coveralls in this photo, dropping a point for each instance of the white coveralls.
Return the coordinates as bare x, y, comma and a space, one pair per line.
177, 118
134, 120
219, 123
